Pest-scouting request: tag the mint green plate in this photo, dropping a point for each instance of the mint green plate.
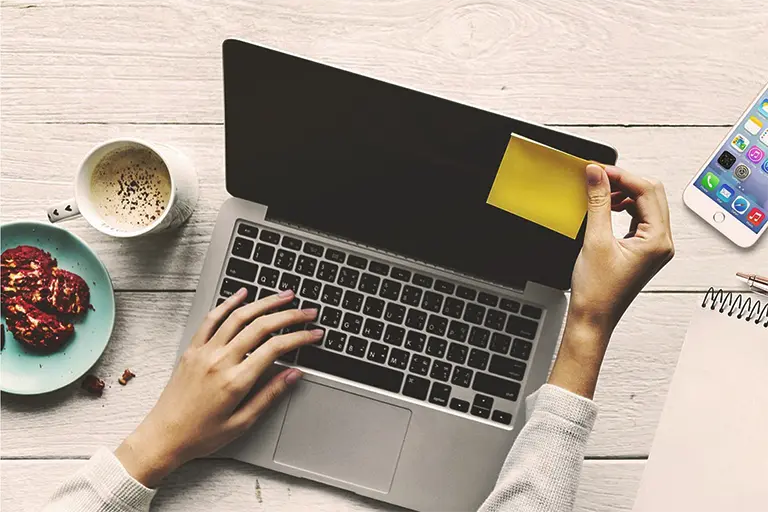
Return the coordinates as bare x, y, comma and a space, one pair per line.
24, 372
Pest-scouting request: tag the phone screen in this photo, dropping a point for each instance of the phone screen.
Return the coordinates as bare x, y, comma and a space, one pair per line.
737, 177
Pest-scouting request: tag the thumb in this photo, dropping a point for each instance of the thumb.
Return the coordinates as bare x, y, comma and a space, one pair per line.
598, 202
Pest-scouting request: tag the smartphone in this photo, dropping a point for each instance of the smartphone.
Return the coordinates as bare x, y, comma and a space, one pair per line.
730, 191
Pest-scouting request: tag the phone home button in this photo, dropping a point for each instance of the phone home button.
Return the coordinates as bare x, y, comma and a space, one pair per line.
718, 217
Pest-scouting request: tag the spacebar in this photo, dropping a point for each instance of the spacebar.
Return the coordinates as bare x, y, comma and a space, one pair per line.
352, 369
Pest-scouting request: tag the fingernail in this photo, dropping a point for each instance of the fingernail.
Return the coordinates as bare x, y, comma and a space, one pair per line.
285, 293
242, 291
317, 333
309, 312
292, 377
594, 174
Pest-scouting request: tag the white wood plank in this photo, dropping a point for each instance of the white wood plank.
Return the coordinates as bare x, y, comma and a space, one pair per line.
223, 485
71, 423
558, 61
38, 164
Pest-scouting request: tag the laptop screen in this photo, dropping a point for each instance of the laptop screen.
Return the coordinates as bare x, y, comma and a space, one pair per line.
385, 166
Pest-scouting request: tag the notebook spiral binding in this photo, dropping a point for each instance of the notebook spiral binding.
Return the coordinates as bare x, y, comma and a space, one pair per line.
738, 304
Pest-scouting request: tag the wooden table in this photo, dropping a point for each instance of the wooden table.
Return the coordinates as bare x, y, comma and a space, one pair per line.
659, 80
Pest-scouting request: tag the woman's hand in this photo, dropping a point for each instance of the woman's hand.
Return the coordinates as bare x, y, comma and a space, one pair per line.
610, 272
202, 407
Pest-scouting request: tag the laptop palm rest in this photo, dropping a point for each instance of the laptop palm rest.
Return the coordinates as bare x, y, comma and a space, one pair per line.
325, 428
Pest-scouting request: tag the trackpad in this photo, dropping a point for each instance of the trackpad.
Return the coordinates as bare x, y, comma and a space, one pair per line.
343, 436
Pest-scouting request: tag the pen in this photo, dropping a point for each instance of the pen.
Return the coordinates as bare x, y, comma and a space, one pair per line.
756, 283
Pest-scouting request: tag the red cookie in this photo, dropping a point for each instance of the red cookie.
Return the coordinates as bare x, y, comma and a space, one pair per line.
25, 273
67, 293
35, 328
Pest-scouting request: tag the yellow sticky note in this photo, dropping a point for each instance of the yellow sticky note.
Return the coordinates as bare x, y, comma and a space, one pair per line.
541, 184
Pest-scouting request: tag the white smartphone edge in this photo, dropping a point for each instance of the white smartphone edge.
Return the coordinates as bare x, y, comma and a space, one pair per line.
711, 211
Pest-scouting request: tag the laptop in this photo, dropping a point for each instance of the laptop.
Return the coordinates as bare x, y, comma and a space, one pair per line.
441, 313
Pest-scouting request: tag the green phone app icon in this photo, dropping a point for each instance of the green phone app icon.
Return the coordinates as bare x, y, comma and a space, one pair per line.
710, 181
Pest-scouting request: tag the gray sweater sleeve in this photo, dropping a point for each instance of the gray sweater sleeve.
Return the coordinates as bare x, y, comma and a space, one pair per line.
541, 472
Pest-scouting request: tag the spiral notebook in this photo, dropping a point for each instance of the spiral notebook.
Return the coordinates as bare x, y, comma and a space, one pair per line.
710, 452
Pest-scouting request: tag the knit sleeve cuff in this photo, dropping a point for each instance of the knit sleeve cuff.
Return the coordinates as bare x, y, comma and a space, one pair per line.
564, 404
113, 483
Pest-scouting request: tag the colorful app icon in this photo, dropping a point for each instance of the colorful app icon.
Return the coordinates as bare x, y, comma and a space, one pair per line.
756, 217
740, 143
726, 160
741, 205
710, 181
755, 154
764, 107
753, 125
725, 193
765, 165
764, 137
742, 172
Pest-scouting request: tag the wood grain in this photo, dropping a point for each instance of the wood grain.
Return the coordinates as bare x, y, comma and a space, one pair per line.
225, 485
558, 61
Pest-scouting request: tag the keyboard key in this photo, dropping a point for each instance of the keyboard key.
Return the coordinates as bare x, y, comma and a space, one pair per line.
246, 230
440, 371
289, 282
483, 401
313, 249
519, 326
379, 268
312, 305
394, 335
422, 280
352, 300
355, 370
495, 320
400, 274
285, 259
268, 277
229, 287
334, 255
357, 262
436, 346
348, 277
266, 292
459, 405
487, 299
521, 349
457, 331
466, 293
457, 353
496, 386
289, 357
264, 253
502, 417
479, 337
330, 317
327, 271
461, 376
453, 307
373, 307
500, 343
306, 266
390, 289
411, 295
478, 359
480, 412
294, 304
242, 247
419, 364
369, 284
335, 340
415, 319
394, 313
416, 387
437, 325
531, 311
331, 295
269, 236
432, 301
219, 302
357, 346
398, 358
415, 341
377, 352
506, 367
352, 323
510, 305
474, 314
241, 269
373, 329
440, 393
444, 286
310, 289
291, 243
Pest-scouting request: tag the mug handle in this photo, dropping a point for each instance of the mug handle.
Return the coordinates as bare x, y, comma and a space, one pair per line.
63, 210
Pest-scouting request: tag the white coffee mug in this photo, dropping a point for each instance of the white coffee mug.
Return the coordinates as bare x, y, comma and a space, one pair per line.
182, 201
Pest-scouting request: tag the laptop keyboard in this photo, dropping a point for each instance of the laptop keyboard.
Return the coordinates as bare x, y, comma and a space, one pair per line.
401, 331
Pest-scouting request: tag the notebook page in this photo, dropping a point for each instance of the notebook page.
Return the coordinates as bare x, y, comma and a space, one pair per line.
710, 452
